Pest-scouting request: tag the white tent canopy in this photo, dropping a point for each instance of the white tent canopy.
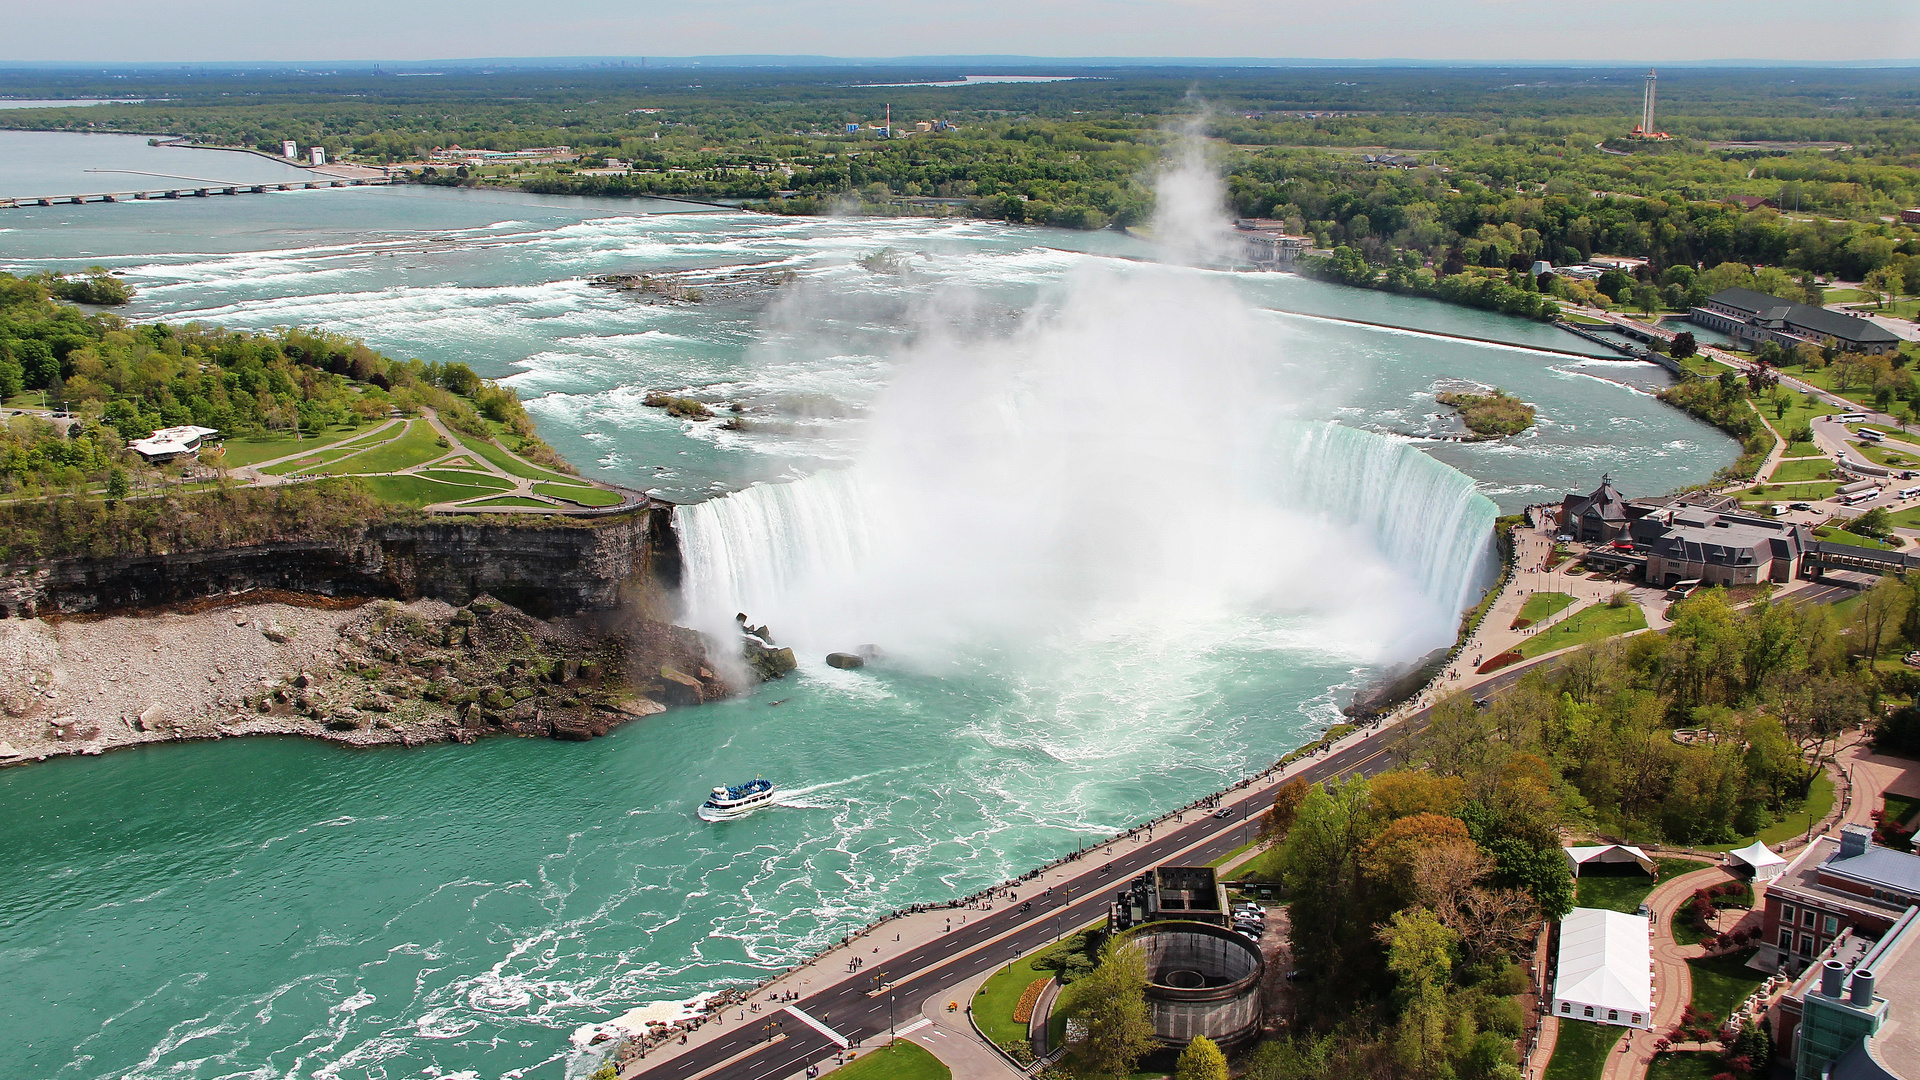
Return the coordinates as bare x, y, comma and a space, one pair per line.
1607, 853
1606, 969
1760, 859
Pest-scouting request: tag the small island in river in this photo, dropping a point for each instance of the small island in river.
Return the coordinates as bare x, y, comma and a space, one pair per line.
1491, 415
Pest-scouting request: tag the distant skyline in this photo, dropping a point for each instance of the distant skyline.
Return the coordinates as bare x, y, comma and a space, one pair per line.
1623, 32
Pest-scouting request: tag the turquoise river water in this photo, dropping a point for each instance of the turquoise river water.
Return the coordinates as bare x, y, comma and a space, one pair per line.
1124, 531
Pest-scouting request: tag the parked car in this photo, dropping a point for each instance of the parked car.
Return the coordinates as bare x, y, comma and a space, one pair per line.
1912, 659
1564, 538
1800, 506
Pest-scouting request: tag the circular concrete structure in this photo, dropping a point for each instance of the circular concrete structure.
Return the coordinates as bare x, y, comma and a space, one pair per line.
1201, 980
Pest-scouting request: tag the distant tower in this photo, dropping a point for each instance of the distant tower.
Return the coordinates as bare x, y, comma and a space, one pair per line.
889, 121
1646, 111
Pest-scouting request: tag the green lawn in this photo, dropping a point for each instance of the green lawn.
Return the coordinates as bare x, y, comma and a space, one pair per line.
1881, 455
1899, 808
581, 494
993, 1006
1580, 1051
468, 479
418, 445
414, 491
1789, 493
508, 462
1906, 519
1802, 450
1541, 605
900, 1060
1262, 867
515, 500
1791, 470
1842, 536
1626, 891
1687, 1065
1843, 296
313, 462
253, 449
1592, 623
1721, 982
1796, 822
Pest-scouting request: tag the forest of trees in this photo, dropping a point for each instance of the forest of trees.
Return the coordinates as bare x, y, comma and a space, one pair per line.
1415, 897
1506, 171
122, 381
64, 486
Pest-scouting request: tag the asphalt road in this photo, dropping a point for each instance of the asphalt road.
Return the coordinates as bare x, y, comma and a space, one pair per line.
857, 1011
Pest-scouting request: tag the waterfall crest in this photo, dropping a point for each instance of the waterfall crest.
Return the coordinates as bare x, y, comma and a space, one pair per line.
1336, 521
1423, 515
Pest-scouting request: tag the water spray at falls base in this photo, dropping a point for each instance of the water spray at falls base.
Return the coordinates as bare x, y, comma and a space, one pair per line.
1128, 464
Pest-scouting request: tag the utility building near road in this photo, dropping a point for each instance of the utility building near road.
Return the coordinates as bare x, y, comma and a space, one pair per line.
1753, 317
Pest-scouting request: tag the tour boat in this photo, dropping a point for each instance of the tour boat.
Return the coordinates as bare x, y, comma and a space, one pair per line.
732, 802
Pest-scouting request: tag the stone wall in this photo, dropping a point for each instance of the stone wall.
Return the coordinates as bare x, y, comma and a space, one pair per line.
558, 568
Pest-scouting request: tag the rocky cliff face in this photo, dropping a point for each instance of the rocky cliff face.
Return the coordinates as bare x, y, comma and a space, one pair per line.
568, 568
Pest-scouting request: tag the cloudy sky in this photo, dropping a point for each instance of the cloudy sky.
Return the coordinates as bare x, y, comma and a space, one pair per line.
391, 30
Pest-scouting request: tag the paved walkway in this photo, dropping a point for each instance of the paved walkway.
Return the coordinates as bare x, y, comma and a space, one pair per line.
1873, 776
1672, 978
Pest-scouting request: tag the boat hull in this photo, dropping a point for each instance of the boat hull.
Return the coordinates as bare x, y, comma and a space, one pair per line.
709, 812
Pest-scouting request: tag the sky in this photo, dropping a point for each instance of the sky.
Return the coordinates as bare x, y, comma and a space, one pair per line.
1632, 31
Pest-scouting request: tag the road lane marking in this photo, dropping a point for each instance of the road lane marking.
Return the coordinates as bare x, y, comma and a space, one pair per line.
838, 1039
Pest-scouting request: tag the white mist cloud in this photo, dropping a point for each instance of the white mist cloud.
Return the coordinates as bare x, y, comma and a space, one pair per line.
1105, 472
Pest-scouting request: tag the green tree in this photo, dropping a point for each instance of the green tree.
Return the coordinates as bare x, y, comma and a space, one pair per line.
118, 486
1201, 1060
1112, 999
1320, 865
1420, 955
1646, 298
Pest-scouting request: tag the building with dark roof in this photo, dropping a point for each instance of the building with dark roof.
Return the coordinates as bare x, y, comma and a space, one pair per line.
1597, 517
1751, 318
1686, 544
1172, 892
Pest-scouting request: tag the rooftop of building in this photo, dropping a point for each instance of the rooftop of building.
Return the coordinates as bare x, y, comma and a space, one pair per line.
1814, 320
1877, 867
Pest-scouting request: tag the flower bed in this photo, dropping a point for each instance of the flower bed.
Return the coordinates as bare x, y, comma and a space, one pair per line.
1519, 624
1499, 662
1023, 1012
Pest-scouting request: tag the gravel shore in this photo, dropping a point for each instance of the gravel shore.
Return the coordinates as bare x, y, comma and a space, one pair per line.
81, 686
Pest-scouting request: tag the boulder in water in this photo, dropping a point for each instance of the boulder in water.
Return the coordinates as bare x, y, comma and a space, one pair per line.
846, 660
768, 663
679, 688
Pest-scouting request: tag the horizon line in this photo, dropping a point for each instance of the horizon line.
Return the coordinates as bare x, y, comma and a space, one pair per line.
804, 61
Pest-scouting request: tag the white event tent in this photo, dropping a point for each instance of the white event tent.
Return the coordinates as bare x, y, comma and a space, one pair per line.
1607, 853
1606, 969
1759, 858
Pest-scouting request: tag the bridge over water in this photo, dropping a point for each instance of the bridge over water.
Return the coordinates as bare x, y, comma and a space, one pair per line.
195, 190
